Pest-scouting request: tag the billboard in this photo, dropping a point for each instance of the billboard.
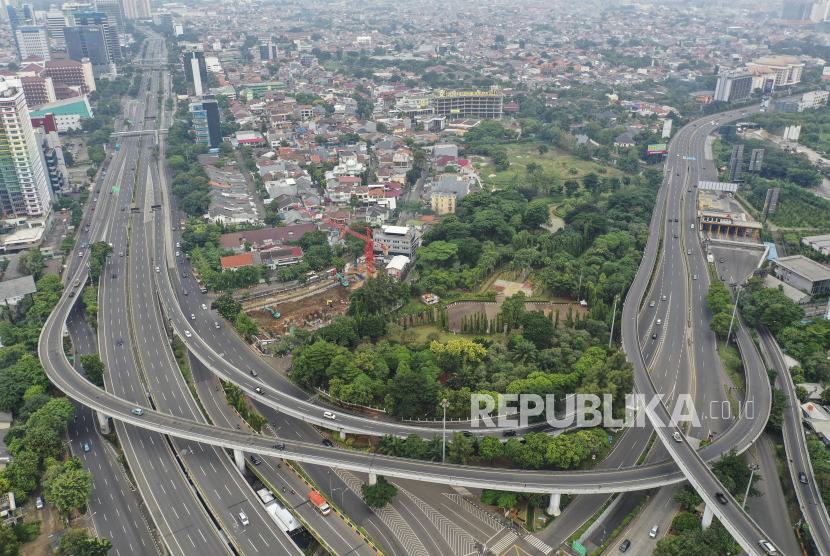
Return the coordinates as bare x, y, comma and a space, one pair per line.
825, 71
657, 149
703, 99
768, 85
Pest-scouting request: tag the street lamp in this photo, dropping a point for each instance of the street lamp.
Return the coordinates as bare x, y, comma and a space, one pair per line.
752, 467
734, 309
445, 404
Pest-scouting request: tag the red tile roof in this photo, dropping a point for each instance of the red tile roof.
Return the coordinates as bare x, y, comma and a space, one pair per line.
235, 261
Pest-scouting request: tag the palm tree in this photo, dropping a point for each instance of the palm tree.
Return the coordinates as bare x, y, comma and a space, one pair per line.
433, 449
525, 352
390, 445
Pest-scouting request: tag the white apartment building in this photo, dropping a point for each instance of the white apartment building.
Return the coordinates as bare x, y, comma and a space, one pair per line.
32, 41
27, 192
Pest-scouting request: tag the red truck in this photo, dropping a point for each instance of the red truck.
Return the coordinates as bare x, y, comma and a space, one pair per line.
319, 502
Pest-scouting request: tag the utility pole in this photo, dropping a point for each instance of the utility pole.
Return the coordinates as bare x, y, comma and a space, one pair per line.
752, 467
445, 404
613, 318
734, 309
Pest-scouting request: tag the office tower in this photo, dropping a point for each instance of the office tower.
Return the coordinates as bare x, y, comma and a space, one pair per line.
69, 10
20, 15
113, 10
129, 8
195, 70
206, 122
143, 8
90, 17
87, 42
268, 51
734, 86
32, 41
56, 21
24, 186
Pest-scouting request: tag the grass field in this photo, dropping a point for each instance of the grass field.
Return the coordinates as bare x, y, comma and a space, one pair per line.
563, 164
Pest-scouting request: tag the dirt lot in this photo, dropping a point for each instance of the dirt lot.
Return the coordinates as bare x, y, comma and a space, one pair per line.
308, 313
466, 308
50, 522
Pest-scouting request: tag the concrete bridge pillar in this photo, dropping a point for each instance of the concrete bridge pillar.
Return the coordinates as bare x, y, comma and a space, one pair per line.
707, 517
342, 434
553, 506
239, 459
103, 422
373, 478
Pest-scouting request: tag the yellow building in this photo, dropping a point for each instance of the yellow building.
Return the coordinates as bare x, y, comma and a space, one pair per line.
443, 202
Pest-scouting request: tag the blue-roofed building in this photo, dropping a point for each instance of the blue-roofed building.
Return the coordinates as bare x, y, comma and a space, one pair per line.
68, 112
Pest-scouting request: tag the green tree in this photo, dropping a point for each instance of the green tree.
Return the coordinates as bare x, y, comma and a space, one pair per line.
411, 392
67, 542
780, 402
688, 498
32, 263
92, 547
246, 325
436, 254
686, 521
718, 298
720, 324
379, 494
93, 369
461, 449
490, 448
9, 544
536, 214
70, 489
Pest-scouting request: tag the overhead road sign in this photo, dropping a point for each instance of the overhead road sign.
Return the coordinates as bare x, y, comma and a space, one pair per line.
717, 186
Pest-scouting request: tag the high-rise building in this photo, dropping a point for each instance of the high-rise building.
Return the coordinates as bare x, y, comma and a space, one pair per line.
268, 51
69, 10
71, 73
56, 21
20, 15
143, 8
787, 69
25, 190
206, 122
113, 10
195, 70
90, 17
805, 10
38, 90
88, 42
32, 41
130, 9
734, 86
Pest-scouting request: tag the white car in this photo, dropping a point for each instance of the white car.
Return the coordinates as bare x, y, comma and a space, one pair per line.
329, 415
204, 307
653, 532
177, 253
244, 518
188, 334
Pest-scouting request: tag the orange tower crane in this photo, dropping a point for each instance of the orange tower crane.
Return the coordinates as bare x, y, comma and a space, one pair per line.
371, 244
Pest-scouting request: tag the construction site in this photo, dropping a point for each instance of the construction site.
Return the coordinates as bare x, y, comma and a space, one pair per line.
308, 308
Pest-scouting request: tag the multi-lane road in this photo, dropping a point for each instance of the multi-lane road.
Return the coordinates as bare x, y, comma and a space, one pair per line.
235, 362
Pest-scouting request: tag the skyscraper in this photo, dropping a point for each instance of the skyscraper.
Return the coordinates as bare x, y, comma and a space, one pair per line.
130, 9
90, 17
88, 41
206, 122
56, 21
32, 41
113, 10
143, 8
195, 70
24, 186
20, 15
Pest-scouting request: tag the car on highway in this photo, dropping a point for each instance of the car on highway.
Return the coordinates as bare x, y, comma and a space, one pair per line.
329, 415
254, 373
694, 277
688, 251
177, 253
259, 390
677, 437
721, 498
768, 548
184, 274
659, 322
693, 226
328, 442
244, 519
279, 446
651, 304
689, 190
654, 336
508, 433
215, 324
721, 259
676, 219
121, 253
71, 294
188, 334
192, 316
86, 446
802, 478
114, 275
157, 269
625, 544
676, 236
653, 532
77, 283
123, 208
204, 307
255, 459
722, 278
184, 292
177, 245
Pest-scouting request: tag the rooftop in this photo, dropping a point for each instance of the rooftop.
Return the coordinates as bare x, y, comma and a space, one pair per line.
805, 267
